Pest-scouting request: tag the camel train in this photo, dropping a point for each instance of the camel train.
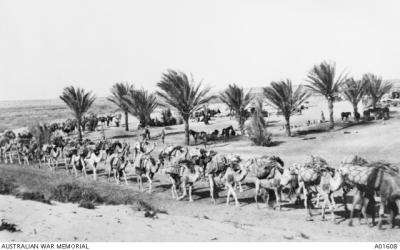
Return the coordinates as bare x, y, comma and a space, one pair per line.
314, 180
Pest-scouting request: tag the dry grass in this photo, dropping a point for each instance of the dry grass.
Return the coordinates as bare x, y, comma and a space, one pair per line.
41, 185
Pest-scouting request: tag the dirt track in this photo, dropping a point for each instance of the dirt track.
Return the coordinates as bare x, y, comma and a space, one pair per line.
184, 222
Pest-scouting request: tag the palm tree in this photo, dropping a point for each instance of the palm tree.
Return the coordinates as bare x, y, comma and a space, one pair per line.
118, 91
79, 101
281, 95
182, 93
376, 87
237, 101
323, 81
353, 91
140, 104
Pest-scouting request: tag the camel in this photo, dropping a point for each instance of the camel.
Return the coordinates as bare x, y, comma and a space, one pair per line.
53, 155
314, 177
77, 156
188, 177
272, 182
263, 170
328, 185
368, 179
216, 168
144, 147
168, 154
357, 173
145, 164
117, 166
171, 160
232, 178
94, 158
118, 154
388, 185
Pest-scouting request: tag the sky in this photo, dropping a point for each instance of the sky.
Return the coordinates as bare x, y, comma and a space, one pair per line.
46, 45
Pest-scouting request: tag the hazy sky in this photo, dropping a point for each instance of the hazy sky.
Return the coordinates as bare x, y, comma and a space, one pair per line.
46, 45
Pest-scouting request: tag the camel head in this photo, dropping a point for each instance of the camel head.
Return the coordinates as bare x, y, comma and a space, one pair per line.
249, 164
337, 179
289, 174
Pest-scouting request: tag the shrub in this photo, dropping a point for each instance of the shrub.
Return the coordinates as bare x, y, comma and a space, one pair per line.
87, 204
90, 122
34, 196
257, 128
74, 192
7, 186
41, 133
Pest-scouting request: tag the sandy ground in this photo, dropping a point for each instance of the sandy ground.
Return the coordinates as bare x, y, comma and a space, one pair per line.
202, 221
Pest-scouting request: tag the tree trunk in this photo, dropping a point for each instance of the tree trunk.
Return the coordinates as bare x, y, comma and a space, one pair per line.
287, 126
126, 121
355, 111
241, 125
186, 121
79, 129
330, 106
374, 103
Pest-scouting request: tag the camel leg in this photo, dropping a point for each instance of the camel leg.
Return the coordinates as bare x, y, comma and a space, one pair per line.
212, 185
109, 172
381, 212
150, 182
257, 190
364, 206
184, 191
75, 170
393, 212
333, 206
228, 195
173, 187
231, 190
357, 199
124, 174
190, 194
240, 187
324, 205
83, 167
344, 198
266, 198
116, 176
278, 197
307, 203
94, 171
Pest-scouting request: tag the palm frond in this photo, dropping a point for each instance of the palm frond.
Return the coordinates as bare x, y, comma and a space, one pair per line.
140, 103
281, 95
118, 91
376, 87
322, 79
78, 100
180, 92
354, 90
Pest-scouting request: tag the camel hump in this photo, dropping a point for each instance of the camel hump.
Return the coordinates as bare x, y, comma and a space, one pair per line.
385, 166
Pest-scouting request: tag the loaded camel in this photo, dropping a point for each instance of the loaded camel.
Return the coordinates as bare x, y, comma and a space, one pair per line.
261, 169
368, 179
315, 177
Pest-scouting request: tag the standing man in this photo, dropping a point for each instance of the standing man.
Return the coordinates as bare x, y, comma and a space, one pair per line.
322, 117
